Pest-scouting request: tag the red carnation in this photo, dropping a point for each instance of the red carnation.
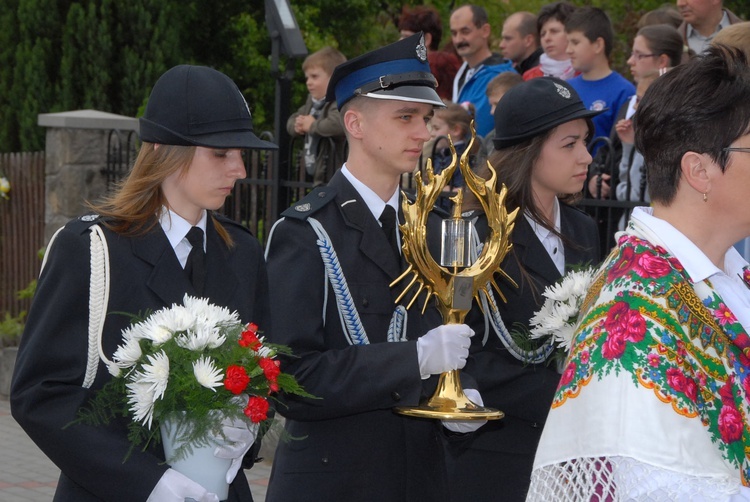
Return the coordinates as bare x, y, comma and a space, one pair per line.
249, 337
257, 409
270, 368
236, 380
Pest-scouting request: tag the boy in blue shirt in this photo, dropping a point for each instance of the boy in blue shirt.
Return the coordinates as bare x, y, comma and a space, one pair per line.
590, 37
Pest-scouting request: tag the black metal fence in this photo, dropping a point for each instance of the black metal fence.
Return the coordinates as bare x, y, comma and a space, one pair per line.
258, 199
610, 213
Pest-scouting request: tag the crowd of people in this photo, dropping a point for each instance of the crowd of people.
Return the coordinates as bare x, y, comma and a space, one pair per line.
652, 400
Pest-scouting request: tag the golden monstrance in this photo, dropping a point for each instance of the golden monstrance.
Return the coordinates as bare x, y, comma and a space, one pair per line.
458, 278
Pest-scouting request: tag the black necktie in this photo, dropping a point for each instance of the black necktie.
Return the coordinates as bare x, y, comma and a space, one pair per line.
388, 220
195, 267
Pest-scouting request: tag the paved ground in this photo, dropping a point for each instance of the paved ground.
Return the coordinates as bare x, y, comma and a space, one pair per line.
27, 475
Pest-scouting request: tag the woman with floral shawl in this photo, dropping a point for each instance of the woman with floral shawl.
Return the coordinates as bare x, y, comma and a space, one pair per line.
653, 402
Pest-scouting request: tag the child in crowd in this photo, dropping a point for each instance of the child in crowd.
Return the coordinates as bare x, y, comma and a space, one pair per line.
666, 14
551, 25
455, 121
496, 88
656, 48
590, 39
318, 120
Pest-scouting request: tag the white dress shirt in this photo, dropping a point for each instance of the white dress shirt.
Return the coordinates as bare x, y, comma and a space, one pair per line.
176, 227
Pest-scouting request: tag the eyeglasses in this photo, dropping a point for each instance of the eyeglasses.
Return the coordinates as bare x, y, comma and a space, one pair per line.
639, 56
736, 149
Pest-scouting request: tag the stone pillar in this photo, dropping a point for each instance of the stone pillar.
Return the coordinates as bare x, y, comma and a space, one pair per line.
75, 156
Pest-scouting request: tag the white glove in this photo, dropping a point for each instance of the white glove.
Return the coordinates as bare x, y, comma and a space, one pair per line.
176, 487
241, 433
443, 349
468, 425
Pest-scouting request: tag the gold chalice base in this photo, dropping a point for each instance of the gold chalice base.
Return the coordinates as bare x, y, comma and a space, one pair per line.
450, 403
451, 411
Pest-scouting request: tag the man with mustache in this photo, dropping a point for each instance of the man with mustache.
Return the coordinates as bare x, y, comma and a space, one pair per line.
470, 32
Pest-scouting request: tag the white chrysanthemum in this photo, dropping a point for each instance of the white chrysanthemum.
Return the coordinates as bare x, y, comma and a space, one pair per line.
556, 318
574, 284
209, 314
156, 331
200, 338
564, 337
536, 322
153, 328
581, 282
562, 304
156, 374
128, 353
566, 311
134, 332
141, 402
177, 318
207, 374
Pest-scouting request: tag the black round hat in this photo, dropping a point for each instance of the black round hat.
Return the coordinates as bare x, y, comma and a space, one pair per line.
198, 106
534, 107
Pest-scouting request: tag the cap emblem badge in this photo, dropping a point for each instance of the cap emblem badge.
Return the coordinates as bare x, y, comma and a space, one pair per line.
562, 91
421, 50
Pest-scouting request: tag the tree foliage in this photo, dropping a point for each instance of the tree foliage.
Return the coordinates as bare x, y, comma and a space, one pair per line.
58, 55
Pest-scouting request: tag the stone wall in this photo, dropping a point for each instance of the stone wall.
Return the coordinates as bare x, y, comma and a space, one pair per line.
75, 157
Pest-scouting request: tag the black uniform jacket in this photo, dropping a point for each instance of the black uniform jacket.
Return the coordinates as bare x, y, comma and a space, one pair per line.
145, 276
523, 391
353, 446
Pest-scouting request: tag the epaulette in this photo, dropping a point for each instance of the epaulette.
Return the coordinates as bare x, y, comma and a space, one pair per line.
226, 221
83, 223
311, 203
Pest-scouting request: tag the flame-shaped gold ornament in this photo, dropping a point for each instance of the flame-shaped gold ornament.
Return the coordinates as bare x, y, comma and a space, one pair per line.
453, 288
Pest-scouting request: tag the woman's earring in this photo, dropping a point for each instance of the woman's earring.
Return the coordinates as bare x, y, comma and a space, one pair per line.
705, 197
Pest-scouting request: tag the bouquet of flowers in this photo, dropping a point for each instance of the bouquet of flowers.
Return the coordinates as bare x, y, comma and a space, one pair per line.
558, 317
191, 364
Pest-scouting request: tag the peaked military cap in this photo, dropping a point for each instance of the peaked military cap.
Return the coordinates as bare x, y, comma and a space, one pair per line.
534, 107
397, 71
198, 106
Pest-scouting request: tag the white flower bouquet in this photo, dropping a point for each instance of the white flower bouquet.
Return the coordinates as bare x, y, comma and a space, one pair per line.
190, 364
558, 316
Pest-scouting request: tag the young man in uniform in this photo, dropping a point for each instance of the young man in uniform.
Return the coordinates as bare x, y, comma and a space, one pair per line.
331, 262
